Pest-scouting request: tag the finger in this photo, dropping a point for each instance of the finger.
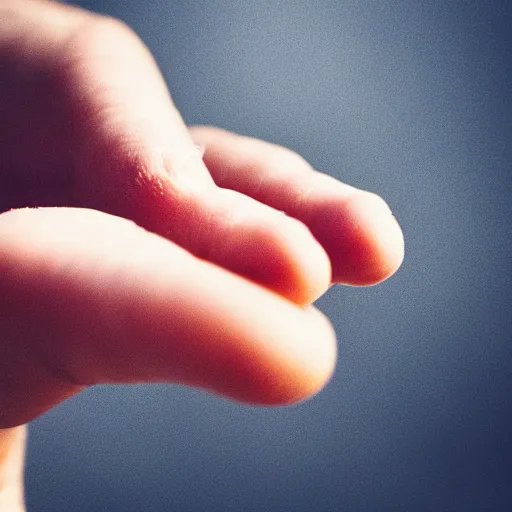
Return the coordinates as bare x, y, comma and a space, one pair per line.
135, 158
88, 298
12, 451
356, 228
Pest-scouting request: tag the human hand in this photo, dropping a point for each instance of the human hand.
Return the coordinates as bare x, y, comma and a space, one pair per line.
148, 265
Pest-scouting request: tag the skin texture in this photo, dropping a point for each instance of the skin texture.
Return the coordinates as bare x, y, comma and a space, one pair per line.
139, 260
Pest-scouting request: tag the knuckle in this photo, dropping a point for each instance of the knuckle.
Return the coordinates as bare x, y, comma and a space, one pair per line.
280, 158
103, 35
292, 159
114, 28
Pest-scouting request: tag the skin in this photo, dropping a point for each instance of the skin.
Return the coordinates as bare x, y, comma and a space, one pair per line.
141, 261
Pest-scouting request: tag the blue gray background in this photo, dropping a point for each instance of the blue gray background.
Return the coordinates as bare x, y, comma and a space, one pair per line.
411, 99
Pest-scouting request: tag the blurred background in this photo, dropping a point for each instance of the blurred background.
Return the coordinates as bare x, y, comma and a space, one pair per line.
407, 98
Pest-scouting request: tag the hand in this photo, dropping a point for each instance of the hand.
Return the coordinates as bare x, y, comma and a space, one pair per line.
149, 264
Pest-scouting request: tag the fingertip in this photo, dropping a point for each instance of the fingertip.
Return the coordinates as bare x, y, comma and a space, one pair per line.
375, 241
294, 368
266, 246
321, 360
362, 237
308, 270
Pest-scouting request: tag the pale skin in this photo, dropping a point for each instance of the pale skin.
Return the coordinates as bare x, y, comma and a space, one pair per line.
143, 261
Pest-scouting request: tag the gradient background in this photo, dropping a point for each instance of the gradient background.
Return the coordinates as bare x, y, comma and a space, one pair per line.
408, 98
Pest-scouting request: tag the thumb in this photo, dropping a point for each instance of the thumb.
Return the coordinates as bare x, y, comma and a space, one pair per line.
88, 298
